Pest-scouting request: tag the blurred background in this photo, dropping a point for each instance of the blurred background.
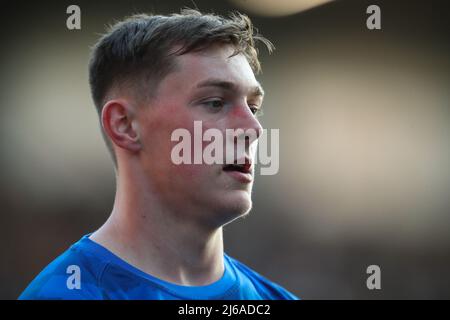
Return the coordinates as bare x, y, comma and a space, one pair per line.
364, 121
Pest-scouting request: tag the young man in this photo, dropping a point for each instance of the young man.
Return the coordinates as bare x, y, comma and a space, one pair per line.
151, 76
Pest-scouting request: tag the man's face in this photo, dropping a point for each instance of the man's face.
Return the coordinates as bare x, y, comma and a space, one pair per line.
222, 93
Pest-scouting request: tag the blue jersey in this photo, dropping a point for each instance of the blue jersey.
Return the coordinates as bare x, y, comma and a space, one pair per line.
88, 270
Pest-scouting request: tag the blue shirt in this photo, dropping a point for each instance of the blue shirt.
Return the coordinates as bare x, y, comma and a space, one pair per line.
88, 270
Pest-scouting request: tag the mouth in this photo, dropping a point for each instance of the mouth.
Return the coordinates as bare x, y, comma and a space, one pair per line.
241, 172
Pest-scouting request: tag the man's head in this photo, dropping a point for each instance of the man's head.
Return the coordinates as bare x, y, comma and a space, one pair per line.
151, 75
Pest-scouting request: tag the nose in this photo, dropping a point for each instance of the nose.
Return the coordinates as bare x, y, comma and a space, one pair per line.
244, 119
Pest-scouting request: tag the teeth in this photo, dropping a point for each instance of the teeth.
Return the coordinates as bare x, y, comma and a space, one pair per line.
237, 167
231, 167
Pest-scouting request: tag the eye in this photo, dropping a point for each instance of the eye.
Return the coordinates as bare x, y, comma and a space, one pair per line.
255, 109
215, 105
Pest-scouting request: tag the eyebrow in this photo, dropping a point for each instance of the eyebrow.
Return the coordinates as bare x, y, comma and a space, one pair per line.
227, 85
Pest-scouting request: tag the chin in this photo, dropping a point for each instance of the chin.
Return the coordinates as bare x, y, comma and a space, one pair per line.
233, 206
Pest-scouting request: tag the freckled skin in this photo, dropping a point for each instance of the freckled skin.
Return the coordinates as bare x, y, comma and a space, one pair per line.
183, 187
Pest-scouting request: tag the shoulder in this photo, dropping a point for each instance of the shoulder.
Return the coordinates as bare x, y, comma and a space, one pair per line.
267, 288
71, 276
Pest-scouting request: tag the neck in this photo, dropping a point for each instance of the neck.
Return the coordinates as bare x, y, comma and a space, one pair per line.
157, 240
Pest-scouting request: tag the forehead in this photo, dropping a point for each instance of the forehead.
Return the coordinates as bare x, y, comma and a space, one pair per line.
215, 62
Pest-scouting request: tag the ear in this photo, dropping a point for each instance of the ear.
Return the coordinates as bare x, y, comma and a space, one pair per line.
119, 122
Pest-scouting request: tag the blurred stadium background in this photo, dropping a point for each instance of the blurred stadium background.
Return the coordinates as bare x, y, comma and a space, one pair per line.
364, 123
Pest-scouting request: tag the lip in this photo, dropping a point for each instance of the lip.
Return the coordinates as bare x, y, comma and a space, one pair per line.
247, 175
240, 176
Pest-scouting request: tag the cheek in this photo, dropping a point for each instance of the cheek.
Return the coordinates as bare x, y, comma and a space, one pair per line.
192, 179
157, 128
180, 184
164, 175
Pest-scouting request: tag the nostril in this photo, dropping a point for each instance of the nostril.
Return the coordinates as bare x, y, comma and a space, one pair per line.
259, 131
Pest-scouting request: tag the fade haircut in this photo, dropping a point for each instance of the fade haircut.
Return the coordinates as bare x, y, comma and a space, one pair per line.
137, 53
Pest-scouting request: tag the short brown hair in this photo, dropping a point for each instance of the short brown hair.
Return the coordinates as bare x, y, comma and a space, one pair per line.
137, 50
